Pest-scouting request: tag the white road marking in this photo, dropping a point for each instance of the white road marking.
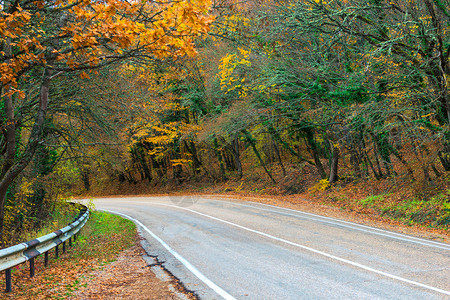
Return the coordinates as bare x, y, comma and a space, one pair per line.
355, 226
355, 264
186, 263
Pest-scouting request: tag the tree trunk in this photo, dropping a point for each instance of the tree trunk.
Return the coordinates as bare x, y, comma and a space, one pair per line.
315, 153
405, 163
10, 123
237, 159
177, 169
229, 158
369, 163
144, 165
275, 135
85, 178
384, 148
426, 174
10, 169
252, 143
334, 163
444, 157
193, 151
440, 66
277, 154
355, 161
219, 158
435, 170
375, 153
157, 167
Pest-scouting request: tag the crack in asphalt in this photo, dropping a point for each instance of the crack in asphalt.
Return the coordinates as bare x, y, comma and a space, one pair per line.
179, 285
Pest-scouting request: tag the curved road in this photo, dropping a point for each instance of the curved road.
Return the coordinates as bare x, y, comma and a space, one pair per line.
243, 250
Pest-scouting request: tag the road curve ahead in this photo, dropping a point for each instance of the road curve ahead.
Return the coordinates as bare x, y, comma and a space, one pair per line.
228, 249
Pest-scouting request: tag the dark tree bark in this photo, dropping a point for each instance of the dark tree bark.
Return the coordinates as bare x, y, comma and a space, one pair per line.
280, 161
315, 153
258, 155
369, 163
229, 158
355, 161
219, 158
377, 160
12, 167
334, 163
85, 178
140, 160
236, 152
193, 151
276, 136
444, 158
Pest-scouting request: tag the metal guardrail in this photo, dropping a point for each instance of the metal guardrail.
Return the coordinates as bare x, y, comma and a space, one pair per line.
28, 251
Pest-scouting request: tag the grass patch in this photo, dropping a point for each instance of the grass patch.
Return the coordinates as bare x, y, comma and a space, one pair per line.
103, 237
372, 201
434, 212
431, 212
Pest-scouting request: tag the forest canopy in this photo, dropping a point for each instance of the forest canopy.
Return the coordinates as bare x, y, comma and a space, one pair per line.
293, 95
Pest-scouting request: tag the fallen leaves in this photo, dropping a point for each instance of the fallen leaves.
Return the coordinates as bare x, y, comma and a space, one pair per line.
101, 265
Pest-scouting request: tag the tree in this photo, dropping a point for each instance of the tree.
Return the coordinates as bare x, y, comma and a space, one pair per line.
42, 40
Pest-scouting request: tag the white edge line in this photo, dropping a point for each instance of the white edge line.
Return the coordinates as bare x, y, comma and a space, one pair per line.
364, 226
355, 264
372, 230
186, 263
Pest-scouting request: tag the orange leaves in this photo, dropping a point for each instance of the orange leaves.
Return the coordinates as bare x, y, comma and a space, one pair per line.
7, 74
166, 35
176, 23
11, 25
73, 34
84, 75
15, 34
40, 3
83, 41
11, 90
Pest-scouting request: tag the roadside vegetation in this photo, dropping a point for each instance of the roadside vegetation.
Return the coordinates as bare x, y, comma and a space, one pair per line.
60, 216
101, 240
403, 206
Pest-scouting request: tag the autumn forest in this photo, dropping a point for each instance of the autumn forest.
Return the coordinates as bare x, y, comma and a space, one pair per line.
273, 97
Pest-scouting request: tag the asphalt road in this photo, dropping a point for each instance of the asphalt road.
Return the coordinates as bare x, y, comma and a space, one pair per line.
243, 250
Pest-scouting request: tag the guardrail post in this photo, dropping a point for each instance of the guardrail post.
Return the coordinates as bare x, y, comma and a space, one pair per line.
64, 247
56, 251
70, 242
32, 267
8, 280
46, 258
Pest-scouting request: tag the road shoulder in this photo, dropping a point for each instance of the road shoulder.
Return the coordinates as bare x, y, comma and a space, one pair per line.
131, 276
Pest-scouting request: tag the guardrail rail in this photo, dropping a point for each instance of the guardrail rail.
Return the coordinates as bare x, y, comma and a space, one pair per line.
28, 251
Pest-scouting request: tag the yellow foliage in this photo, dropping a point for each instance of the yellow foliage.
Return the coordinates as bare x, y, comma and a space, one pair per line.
320, 186
227, 67
21, 205
24, 189
180, 162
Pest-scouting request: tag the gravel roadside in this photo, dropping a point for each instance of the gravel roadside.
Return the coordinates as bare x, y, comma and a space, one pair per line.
134, 275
